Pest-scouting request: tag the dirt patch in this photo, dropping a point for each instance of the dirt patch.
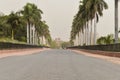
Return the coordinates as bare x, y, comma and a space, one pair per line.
20, 52
108, 58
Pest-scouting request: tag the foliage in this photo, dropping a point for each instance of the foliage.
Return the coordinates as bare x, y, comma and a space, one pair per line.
89, 10
106, 40
65, 44
14, 21
14, 25
4, 27
54, 44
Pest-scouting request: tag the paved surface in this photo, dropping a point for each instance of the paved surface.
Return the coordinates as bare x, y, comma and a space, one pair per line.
57, 65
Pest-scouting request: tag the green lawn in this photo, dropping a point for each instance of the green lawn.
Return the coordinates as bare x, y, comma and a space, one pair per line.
11, 41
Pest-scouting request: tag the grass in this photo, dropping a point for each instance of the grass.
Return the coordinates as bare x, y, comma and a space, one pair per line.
11, 41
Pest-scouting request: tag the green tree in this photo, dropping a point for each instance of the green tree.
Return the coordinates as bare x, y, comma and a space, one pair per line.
14, 25
32, 16
89, 10
43, 31
96, 7
20, 31
106, 40
14, 21
6, 22
4, 26
65, 44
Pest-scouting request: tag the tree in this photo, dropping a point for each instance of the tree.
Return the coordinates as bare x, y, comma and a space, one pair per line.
4, 26
64, 45
89, 10
96, 7
43, 31
32, 16
19, 31
14, 21
105, 40
14, 25
101, 40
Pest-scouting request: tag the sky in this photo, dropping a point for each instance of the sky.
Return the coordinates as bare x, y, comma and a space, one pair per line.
59, 15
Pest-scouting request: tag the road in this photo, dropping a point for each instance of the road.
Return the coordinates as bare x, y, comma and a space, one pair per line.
57, 65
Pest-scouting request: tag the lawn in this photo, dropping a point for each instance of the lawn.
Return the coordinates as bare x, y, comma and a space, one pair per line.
11, 41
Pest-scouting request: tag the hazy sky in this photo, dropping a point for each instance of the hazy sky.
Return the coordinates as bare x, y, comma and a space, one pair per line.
59, 15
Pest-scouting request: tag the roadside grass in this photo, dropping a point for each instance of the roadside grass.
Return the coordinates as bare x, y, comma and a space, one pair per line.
11, 41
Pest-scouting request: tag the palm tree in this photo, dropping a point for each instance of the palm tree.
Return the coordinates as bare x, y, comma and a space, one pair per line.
46, 33
89, 10
27, 13
116, 21
14, 21
96, 7
32, 16
43, 32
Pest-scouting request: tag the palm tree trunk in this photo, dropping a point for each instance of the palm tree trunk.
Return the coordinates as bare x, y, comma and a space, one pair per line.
78, 39
87, 34
95, 26
84, 38
33, 34
116, 21
12, 34
42, 40
81, 38
30, 36
74, 42
28, 33
38, 40
91, 33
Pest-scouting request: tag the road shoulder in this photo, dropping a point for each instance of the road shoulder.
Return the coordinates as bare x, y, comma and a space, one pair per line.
20, 52
108, 58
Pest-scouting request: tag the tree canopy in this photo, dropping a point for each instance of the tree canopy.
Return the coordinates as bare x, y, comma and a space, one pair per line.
15, 24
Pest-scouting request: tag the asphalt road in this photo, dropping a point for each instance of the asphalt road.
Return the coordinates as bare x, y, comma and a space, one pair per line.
57, 65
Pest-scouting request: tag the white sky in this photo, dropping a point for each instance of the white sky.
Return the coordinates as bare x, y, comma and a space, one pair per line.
59, 15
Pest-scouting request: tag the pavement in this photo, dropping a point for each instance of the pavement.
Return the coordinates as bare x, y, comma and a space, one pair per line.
57, 65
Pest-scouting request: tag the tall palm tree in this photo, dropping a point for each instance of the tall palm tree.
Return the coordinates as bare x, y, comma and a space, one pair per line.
96, 7
43, 31
89, 10
14, 21
116, 21
32, 15
27, 13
